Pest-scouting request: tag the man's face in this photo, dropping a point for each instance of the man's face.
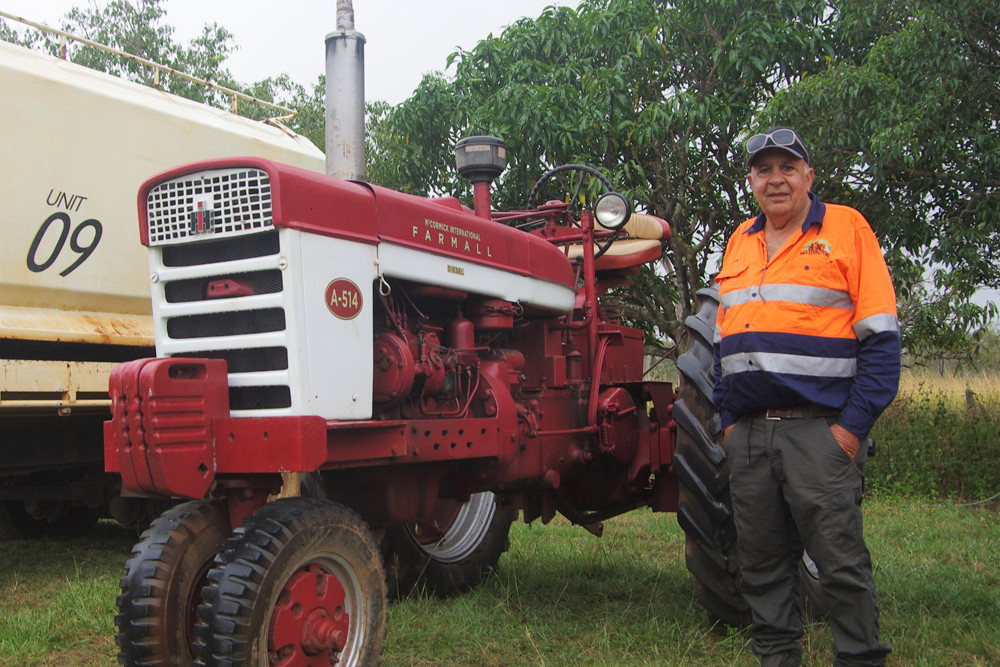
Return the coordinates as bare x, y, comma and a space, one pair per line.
781, 183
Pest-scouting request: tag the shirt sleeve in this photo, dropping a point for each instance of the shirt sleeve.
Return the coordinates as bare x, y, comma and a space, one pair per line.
876, 326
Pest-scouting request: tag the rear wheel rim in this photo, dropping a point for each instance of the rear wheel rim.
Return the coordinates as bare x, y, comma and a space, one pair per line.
456, 529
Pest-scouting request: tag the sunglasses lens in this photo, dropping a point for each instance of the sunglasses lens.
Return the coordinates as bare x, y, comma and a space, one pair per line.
783, 137
756, 142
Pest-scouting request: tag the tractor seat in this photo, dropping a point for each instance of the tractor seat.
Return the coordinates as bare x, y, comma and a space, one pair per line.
640, 242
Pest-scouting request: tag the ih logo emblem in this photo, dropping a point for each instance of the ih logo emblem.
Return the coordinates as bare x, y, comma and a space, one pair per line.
202, 217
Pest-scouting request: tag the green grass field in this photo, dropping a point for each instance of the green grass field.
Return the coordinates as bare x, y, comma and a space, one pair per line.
564, 597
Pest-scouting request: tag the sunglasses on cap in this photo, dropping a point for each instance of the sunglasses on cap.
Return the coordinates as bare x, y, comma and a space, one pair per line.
782, 137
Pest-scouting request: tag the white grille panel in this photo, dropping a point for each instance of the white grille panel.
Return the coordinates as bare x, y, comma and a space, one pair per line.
209, 204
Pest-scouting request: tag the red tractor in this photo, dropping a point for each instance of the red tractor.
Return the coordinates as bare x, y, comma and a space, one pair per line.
358, 389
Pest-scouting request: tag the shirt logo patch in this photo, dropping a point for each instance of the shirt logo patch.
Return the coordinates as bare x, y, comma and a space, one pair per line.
817, 247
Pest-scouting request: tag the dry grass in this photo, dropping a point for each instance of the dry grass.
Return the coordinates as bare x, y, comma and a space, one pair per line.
985, 387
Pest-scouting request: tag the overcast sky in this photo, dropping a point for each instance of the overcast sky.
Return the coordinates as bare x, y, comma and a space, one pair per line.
405, 38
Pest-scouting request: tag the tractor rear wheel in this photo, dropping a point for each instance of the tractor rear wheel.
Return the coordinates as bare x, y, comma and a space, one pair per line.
449, 552
300, 583
704, 504
704, 507
161, 589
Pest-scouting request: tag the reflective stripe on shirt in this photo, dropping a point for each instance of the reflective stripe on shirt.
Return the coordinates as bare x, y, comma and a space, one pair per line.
788, 364
876, 324
804, 294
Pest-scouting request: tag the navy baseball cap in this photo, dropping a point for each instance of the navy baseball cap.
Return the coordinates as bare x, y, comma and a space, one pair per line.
783, 138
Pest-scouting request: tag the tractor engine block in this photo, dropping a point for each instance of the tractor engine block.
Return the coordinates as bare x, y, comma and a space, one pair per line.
425, 358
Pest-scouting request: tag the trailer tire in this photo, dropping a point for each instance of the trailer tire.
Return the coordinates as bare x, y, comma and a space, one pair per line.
161, 589
7, 529
451, 558
68, 521
704, 504
291, 555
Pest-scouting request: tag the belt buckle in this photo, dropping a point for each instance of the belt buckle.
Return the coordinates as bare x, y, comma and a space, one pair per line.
777, 414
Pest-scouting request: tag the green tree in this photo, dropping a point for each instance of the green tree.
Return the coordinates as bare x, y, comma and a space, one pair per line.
656, 94
903, 126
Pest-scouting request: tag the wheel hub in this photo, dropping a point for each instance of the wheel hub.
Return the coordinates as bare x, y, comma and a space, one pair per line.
310, 619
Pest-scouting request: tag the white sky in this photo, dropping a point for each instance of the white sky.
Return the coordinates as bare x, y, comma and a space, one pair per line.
405, 38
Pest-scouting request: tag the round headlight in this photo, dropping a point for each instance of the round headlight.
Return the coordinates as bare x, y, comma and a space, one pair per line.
612, 211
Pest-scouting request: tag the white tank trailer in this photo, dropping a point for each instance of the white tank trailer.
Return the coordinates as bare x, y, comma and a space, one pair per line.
75, 145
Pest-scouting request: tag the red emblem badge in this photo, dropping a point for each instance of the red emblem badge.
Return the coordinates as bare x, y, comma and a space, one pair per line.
343, 298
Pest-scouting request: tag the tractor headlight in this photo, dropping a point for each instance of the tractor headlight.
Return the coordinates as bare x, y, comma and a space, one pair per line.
612, 211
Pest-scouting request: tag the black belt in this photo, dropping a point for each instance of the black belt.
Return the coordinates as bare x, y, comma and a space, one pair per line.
795, 412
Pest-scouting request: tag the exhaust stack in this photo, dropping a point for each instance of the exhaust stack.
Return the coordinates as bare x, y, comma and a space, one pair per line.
345, 97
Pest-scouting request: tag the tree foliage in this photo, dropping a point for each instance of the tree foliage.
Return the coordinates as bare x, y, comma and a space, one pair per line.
904, 123
898, 99
138, 28
655, 94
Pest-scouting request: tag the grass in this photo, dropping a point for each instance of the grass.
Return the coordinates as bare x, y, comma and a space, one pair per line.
57, 598
939, 439
563, 597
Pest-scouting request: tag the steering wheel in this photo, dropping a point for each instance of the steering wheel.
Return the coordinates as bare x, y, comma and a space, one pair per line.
580, 186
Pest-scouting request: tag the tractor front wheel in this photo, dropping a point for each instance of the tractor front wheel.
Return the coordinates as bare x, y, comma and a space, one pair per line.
161, 589
300, 583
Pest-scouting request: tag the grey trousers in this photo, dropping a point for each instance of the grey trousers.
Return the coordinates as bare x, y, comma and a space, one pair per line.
793, 487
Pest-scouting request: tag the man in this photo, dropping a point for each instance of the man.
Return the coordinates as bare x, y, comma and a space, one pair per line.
807, 356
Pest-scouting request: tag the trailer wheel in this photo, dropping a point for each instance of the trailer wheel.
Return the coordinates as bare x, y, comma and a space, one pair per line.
62, 520
300, 582
449, 552
7, 529
161, 589
704, 505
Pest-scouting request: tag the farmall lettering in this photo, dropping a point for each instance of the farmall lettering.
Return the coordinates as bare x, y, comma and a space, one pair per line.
453, 237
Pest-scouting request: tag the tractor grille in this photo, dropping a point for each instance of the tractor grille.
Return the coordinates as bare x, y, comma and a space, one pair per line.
222, 285
221, 202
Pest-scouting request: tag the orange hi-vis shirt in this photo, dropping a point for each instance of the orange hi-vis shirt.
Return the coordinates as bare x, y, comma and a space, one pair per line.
815, 324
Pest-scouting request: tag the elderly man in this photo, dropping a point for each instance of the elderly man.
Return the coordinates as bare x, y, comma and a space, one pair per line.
807, 356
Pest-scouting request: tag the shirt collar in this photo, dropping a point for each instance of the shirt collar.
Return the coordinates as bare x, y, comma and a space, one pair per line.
817, 209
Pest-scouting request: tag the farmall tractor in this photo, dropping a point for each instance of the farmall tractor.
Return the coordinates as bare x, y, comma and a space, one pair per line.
357, 390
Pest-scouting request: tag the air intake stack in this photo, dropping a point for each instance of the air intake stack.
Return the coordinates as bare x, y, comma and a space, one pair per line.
345, 97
